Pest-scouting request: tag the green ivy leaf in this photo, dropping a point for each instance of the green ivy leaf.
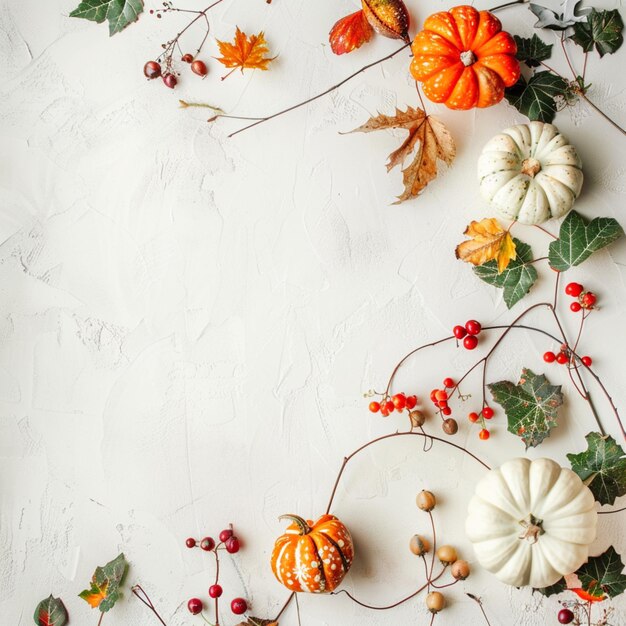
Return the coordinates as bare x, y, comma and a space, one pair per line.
603, 574
532, 50
602, 467
119, 13
518, 277
531, 406
579, 239
51, 612
535, 98
559, 587
105, 585
602, 29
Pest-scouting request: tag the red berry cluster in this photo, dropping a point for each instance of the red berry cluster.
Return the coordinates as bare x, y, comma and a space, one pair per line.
564, 356
229, 542
468, 333
486, 414
585, 300
398, 402
153, 69
439, 398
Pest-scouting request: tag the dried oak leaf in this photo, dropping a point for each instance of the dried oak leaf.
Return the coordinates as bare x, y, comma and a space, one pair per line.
245, 52
488, 242
257, 621
428, 140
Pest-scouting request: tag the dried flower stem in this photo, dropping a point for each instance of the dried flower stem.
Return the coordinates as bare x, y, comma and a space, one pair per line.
139, 592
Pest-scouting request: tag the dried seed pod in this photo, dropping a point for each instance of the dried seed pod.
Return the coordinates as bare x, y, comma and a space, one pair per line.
388, 17
450, 426
426, 501
417, 418
419, 545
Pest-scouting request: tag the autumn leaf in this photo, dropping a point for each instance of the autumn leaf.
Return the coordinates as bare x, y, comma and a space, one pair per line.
488, 242
105, 585
244, 52
51, 612
257, 621
428, 142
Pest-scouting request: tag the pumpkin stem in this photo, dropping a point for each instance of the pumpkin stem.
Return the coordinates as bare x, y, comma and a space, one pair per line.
304, 528
532, 528
531, 167
468, 58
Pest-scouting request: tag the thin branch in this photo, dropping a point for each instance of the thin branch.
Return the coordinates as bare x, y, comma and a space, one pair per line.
480, 604
137, 590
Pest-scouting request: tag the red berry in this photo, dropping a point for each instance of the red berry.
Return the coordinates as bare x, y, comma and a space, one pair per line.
207, 544
190, 543
446, 410
170, 80
411, 402
232, 545
473, 417
470, 342
187, 58
574, 289
433, 395
565, 616
199, 68
448, 383
575, 306
226, 534
587, 361
549, 357
441, 395
390, 406
589, 299
487, 412
459, 332
215, 591
384, 412
195, 606
238, 606
484, 434
473, 327
442, 404
152, 70
374, 407
561, 358
399, 401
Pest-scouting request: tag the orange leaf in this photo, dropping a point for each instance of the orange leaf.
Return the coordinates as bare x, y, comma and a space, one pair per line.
428, 142
489, 241
95, 595
350, 33
245, 52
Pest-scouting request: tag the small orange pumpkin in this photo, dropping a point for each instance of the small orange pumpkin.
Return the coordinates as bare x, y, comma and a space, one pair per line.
312, 557
464, 59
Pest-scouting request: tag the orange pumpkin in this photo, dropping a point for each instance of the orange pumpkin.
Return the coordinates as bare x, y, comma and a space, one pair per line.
312, 557
464, 59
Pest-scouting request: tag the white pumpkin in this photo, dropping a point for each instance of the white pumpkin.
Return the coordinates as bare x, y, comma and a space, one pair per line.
531, 522
530, 173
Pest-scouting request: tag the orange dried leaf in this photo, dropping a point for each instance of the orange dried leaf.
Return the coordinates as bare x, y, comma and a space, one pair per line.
429, 141
488, 241
245, 52
350, 33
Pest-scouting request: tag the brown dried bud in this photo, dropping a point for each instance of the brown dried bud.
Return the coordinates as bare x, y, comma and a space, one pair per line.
460, 569
426, 501
419, 545
450, 426
417, 418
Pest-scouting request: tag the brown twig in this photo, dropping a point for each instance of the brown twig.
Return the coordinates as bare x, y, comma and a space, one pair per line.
136, 590
480, 605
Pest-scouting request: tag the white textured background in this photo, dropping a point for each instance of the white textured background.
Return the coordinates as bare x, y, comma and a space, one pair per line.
188, 322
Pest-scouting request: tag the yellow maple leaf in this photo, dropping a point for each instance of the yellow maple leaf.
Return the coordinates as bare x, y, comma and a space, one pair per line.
488, 241
428, 142
245, 52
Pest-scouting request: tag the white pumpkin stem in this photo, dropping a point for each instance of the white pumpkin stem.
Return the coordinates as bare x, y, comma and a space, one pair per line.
531, 167
532, 528
303, 527
468, 58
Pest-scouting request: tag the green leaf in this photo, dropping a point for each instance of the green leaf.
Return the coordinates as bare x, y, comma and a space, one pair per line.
558, 587
602, 29
119, 13
105, 585
518, 277
603, 574
531, 406
602, 467
536, 98
532, 50
579, 239
51, 612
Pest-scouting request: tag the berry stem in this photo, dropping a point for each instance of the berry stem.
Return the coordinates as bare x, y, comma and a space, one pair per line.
480, 605
217, 580
434, 549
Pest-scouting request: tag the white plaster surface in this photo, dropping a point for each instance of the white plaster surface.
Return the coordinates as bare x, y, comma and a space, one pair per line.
188, 322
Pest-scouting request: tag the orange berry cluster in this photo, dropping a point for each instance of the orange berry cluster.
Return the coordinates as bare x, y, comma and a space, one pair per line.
486, 414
